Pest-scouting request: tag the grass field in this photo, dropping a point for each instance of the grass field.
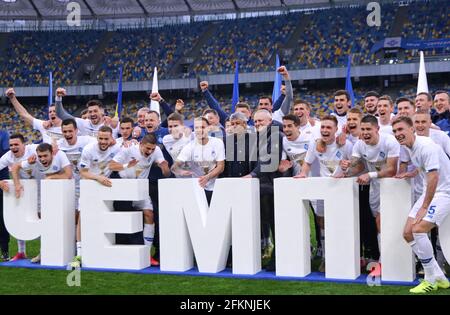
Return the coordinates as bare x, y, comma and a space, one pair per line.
32, 281
50, 282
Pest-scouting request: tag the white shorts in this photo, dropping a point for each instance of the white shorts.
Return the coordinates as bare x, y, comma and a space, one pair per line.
374, 197
145, 204
438, 209
318, 207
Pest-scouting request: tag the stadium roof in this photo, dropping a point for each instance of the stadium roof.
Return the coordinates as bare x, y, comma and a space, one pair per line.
57, 9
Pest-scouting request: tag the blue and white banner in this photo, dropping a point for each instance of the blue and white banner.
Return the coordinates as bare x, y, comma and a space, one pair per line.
398, 42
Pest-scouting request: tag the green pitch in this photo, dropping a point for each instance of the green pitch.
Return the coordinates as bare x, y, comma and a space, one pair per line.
35, 281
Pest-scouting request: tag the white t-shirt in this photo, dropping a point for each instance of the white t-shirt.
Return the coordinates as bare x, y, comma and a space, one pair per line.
375, 156
73, 152
59, 162
441, 138
203, 158
329, 161
312, 130
426, 155
8, 160
52, 133
142, 168
296, 152
96, 160
342, 120
86, 128
386, 129
174, 146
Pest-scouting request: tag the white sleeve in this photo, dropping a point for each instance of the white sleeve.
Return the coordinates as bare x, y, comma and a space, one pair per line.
86, 158
26, 166
3, 162
185, 154
393, 149
122, 156
37, 125
348, 150
159, 157
445, 143
310, 155
404, 155
431, 158
63, 160
221, 151
356, 152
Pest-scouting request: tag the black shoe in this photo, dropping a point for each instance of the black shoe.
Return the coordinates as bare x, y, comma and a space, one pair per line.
4, 256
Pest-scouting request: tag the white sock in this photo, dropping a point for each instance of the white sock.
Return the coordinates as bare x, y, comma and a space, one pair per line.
21, 246
422, 247
149, 233
322, 242
78, 248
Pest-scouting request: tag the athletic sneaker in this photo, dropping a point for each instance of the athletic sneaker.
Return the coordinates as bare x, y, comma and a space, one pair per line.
376, 271
443, 283
19, 256
154, 262
37, 259
76, 262
424, 287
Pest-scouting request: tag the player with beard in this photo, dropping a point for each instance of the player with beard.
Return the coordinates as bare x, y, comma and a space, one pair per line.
378, 154
370, 102
329, 162
136, 162
302, 109
46, 165
18, 152
50, 130
432, 208
72, 145
96, 114
385, 108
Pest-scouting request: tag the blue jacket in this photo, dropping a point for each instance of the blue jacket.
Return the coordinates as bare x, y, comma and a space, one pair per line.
4, 147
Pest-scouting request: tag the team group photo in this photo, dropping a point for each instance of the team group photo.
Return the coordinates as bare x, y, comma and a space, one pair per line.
208, 147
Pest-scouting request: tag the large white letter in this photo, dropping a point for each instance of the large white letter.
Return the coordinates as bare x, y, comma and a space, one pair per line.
188, 225
57, 224
99, 223
292, 240
397, 258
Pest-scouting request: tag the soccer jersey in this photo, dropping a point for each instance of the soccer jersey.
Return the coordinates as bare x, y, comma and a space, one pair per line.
308, 129
87, 128
59, 162
203, 158
48, 135
386, 129
73, 152
329, 160
342, 120
426, 155
375, 158
174, 146
96, 160
296, 152
8, 160
142, 168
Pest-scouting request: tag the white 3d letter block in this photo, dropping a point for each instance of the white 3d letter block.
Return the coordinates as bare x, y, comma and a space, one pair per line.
292, 239
99, 223
188, 225
57, 224
397, 258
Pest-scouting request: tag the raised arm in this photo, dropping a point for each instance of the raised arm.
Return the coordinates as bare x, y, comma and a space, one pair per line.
212, 102
60, 111
23, 113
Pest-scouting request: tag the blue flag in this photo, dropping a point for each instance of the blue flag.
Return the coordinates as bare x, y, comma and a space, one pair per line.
277, 82
50, 88
348, 81
235, 98
119, 96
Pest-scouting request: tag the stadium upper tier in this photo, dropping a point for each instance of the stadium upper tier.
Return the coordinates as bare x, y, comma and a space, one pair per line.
316, 39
